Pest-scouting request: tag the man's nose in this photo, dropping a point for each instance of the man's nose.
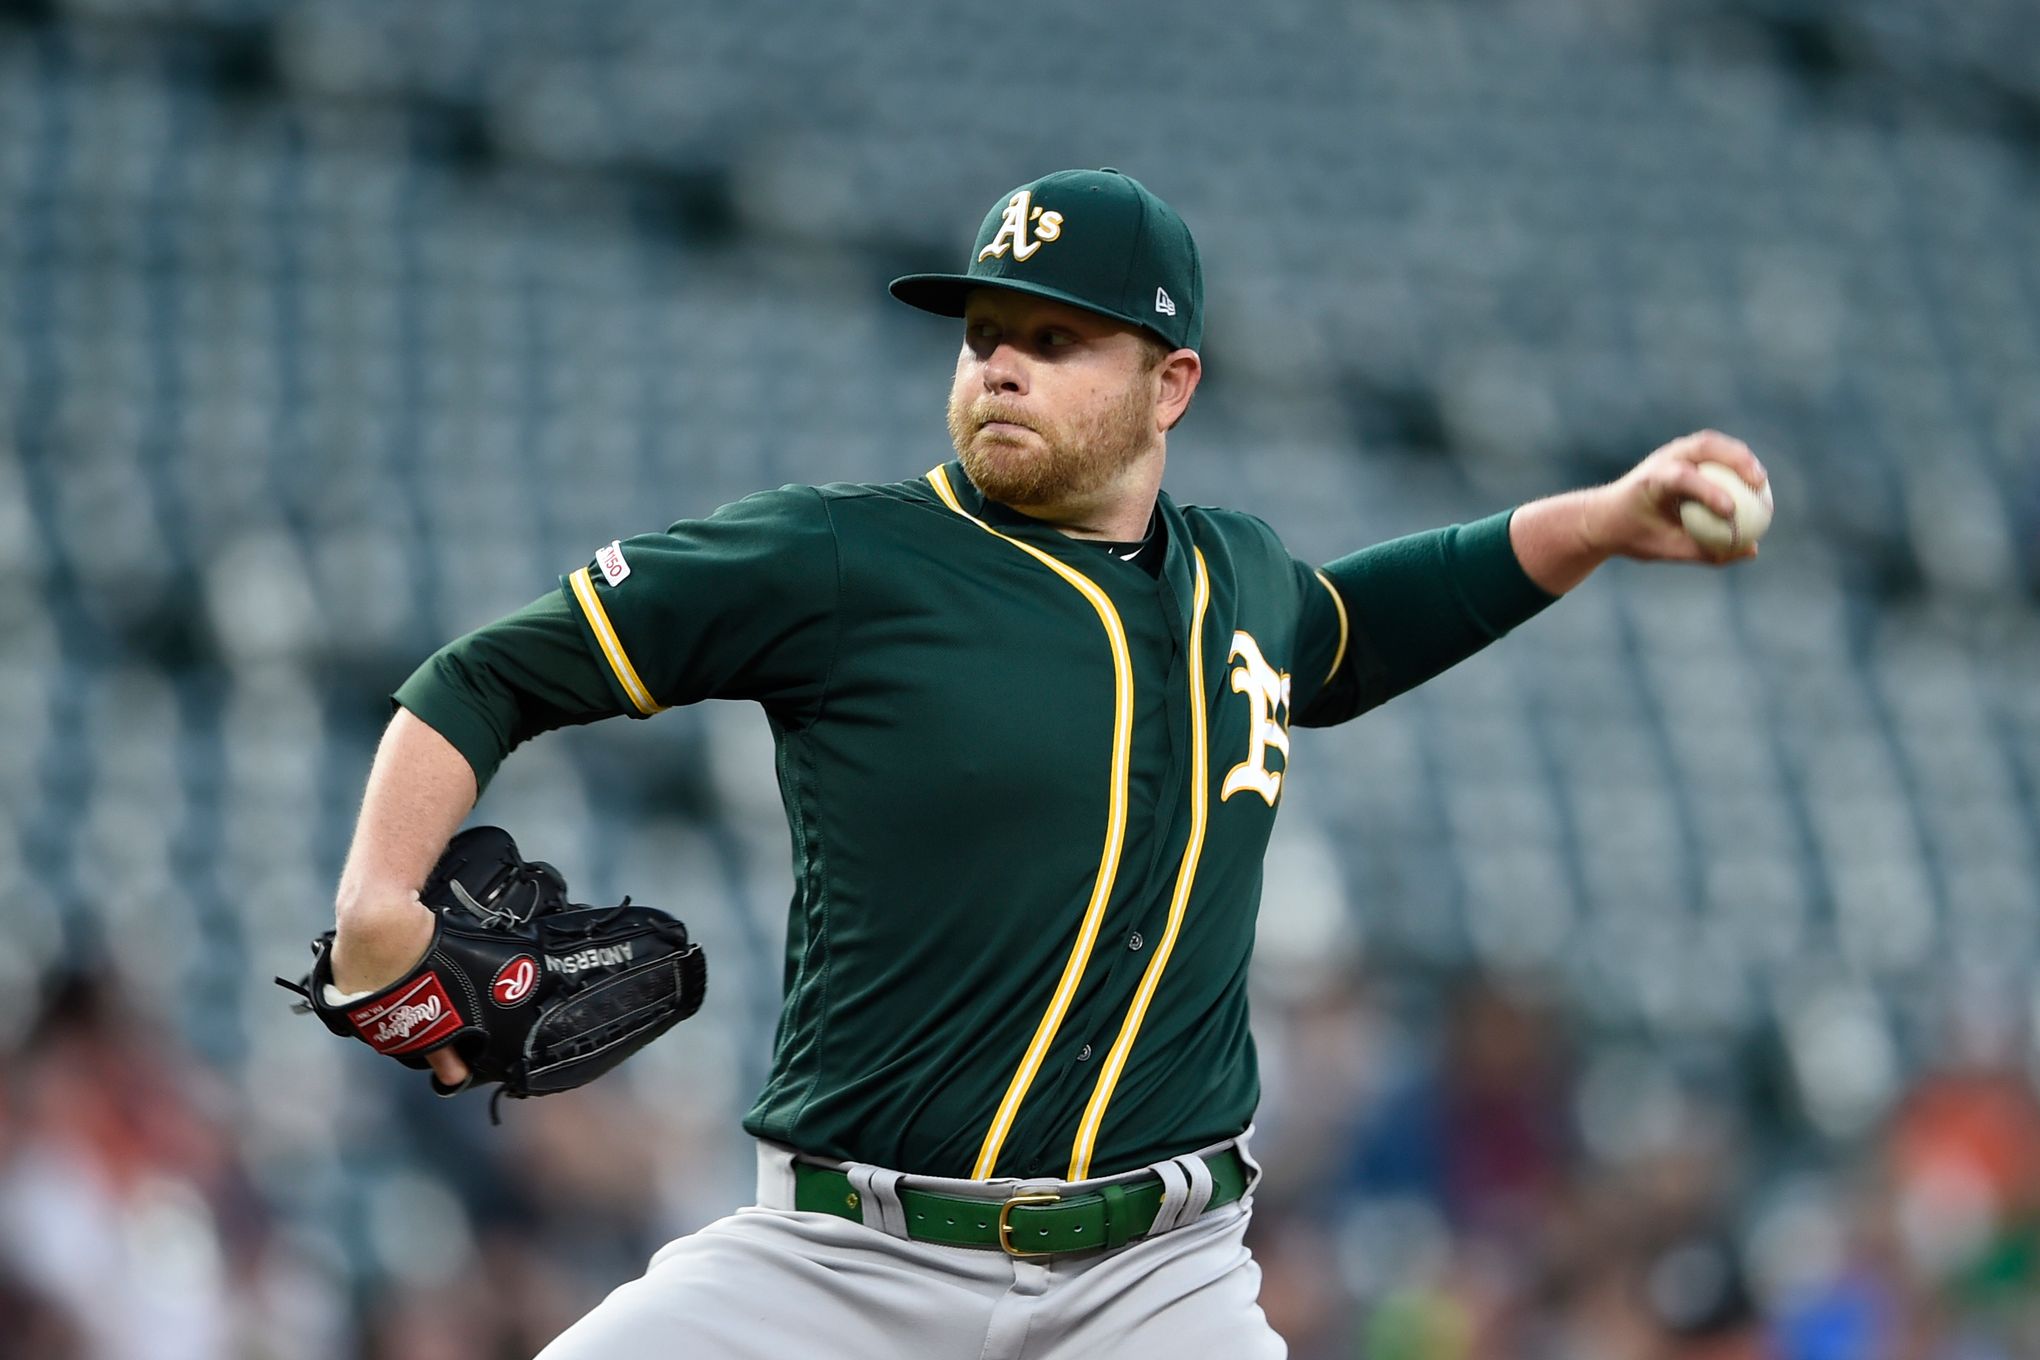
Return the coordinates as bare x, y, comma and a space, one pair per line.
1005, 371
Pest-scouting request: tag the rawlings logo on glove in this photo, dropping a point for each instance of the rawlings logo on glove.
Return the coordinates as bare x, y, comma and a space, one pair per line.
390, 1027
575, 989
515, 981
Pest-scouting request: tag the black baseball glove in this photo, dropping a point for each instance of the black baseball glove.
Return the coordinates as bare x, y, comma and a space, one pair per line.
532, 991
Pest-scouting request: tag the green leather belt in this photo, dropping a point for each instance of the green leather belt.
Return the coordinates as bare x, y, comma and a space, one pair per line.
1031, 1223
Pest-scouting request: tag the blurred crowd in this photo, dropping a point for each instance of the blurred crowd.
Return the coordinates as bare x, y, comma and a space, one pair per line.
134, 1226
1497, 1192
1503, 1195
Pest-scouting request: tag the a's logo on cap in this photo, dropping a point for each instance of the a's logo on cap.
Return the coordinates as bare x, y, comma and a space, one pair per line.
1164, 304
1021, 216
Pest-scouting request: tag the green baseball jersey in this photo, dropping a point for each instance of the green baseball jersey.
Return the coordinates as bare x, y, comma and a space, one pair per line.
1029, 785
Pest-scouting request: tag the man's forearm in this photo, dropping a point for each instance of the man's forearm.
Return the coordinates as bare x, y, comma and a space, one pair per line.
1554, 542
419, 789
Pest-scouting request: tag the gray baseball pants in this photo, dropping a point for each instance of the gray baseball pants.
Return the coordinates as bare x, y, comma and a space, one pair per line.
771, 1283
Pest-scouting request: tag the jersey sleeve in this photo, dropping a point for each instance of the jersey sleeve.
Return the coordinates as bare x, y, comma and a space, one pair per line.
1403, 611
740, 605
1324, 636
506, 682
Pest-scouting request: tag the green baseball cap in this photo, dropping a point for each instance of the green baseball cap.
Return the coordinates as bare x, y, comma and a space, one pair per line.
1096, 239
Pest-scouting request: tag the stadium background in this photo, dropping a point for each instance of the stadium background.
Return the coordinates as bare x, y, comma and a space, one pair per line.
1659, 983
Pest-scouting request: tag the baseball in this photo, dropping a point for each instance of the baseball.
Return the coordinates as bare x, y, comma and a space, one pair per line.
1720, 536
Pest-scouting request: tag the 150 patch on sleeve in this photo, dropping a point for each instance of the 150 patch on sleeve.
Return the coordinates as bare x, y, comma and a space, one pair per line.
610, 560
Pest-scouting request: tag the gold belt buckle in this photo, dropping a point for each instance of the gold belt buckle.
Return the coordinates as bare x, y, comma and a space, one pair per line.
1005, 1220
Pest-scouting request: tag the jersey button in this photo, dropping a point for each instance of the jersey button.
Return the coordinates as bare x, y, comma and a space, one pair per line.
1084, 1053
1134, 942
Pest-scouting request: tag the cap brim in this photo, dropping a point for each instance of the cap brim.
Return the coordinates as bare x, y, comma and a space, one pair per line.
945, 294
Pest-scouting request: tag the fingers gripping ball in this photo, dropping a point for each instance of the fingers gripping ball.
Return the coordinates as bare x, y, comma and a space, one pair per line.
1726, 537
533, 992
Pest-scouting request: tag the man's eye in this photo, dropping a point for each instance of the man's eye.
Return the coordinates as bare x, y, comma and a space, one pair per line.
1056, 339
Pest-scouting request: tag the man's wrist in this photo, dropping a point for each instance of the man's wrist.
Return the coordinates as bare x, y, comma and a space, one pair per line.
377, 942
1591, 530
1561, 539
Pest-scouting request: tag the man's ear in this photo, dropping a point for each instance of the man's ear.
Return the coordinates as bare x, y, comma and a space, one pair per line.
1179, 375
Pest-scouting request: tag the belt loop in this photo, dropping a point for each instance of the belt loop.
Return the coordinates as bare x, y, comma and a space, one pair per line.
878, 1197
775, 1176
1118, 1222
1247, 1160
1188, 1204
1175, 1194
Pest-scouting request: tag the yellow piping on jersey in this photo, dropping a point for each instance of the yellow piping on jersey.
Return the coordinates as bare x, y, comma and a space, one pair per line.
1338, 603
612, 646
1200, 808
1115, 833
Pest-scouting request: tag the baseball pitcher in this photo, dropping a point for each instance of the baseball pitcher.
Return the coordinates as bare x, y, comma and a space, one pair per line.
1032, 719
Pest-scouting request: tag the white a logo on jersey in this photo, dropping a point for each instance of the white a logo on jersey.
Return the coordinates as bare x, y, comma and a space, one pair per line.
1022, 217
1267, 691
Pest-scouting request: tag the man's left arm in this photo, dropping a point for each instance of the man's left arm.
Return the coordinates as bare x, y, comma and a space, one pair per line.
1403, 611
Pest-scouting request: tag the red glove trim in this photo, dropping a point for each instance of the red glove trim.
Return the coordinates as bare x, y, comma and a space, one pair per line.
416, 1018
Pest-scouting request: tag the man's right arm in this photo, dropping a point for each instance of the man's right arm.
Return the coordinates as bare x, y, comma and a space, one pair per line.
740, 605
419, 789
458, 715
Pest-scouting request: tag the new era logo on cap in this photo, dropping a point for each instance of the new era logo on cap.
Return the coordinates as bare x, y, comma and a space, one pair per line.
1164, 304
